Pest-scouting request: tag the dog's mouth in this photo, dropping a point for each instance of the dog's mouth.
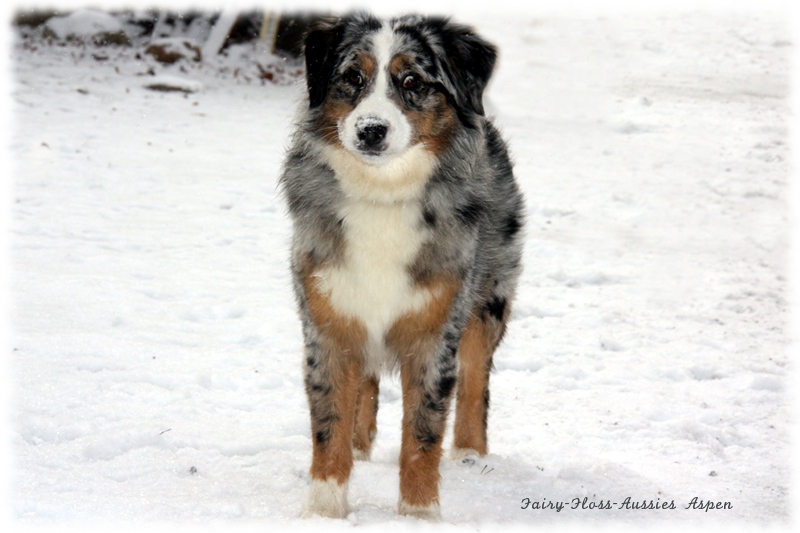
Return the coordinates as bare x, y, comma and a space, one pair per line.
370, 153
376, 153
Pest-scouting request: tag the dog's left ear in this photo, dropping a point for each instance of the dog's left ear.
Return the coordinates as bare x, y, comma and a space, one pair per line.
321, 42
471, 61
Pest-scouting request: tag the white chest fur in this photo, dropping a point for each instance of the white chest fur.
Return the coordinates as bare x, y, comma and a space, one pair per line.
398, 179
372, 283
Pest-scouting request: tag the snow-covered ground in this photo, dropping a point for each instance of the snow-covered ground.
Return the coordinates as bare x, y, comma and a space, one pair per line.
156, 362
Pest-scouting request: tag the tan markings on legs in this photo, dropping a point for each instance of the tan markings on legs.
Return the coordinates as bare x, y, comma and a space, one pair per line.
341, 347
419, 463
478, 343
333, 456
474, 353
414, 338
366, 417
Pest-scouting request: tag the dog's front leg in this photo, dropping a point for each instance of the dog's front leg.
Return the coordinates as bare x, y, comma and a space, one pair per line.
425, 343
334, 357
332, 385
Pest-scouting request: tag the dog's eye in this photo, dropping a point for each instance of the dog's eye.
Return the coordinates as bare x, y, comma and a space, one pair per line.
354, 78
410, 82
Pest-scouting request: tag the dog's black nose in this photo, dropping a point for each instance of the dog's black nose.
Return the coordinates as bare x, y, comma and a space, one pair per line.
371, 135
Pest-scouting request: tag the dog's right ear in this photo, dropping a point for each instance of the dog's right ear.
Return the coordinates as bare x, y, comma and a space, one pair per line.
321, 43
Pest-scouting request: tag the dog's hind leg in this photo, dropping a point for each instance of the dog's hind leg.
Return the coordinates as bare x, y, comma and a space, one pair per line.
366, 418
478, 342
425, 411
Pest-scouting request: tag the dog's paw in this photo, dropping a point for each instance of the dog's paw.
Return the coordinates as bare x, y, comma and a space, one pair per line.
360, 455
431, 513
326, 498
464, 455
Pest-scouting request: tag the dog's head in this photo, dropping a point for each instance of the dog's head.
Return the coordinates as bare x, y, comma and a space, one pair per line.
379, 88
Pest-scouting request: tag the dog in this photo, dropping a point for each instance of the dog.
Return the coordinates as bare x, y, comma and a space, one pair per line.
406, 246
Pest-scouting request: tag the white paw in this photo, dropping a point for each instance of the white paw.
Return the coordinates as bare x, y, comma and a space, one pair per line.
326, 498
430, 512
360, 455
459, 454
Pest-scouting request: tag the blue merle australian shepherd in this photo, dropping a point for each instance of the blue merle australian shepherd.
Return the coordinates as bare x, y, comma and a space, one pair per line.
406, 245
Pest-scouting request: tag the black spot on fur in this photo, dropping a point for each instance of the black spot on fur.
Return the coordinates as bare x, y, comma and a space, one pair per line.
511, 226
470, 212
485, 409
311, 362
447, 364
313, 384
450, 338
322, 436
322, 421
448, 361
427, 437
327, 420
429, 217
496, 307
437, 405
445, 386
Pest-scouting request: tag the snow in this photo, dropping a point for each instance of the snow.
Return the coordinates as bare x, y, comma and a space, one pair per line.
156, 360
83, 23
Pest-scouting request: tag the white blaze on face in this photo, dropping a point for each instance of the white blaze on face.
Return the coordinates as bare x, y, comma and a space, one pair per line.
381, 213
378, 109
